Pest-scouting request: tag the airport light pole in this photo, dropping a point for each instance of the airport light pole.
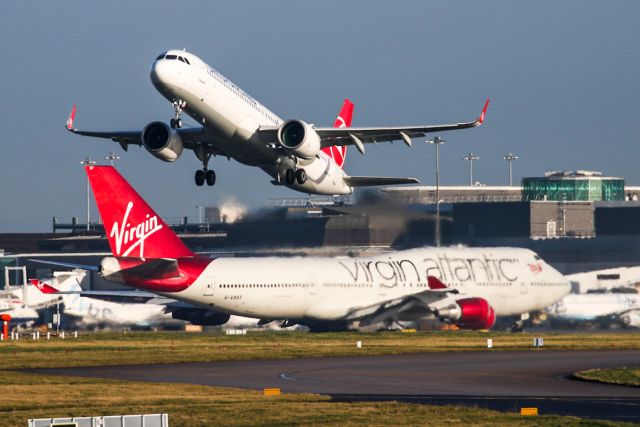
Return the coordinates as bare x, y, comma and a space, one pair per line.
471, 157
88, 162
510, 158
111, 157
437, 141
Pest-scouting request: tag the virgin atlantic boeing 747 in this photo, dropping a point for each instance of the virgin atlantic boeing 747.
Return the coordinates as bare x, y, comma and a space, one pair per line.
465, 286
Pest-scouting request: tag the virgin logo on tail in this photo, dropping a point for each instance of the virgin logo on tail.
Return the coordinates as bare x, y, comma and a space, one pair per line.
339, 153
133, 236
43, 287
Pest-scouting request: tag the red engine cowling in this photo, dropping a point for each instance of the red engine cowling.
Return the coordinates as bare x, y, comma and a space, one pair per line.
476, 313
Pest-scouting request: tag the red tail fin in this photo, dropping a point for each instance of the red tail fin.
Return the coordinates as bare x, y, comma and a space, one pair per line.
132, 227
339, 154
43, 287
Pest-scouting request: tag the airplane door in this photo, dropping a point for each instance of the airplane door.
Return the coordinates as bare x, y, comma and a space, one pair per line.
524, 288
209, 286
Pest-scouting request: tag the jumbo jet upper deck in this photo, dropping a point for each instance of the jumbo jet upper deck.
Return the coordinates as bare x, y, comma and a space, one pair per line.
232, 124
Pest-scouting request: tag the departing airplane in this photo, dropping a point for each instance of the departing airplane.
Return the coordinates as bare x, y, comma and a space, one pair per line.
234, 125
318, 292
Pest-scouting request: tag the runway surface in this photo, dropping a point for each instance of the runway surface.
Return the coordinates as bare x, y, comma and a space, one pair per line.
503, 380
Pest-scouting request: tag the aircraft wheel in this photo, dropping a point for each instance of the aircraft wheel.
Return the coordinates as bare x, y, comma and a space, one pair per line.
289, 177
301, 176
210, 177
172, 123
178, 123
199, 177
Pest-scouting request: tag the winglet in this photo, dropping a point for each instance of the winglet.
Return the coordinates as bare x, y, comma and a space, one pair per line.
435, 283
484, 112
43, 287
71, 118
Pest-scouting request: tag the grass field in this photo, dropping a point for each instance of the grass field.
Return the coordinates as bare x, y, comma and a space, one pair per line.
162, 347
26, 395
622, 376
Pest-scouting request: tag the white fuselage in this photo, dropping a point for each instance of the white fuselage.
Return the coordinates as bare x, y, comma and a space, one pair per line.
512, 280
16, 308
231, 117
592, 306
92, 311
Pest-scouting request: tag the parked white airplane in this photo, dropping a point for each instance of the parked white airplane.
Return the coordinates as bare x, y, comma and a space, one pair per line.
14, 306
598, 306
91, 312
405, 285
603, 280
233, 124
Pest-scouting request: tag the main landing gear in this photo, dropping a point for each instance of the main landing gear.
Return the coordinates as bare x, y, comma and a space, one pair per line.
205, 175
292, 176
177, 121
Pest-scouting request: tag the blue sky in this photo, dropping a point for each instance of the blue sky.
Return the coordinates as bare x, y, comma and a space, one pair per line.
563, 78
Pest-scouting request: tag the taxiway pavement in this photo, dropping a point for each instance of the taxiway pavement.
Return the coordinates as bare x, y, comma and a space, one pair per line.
504, 380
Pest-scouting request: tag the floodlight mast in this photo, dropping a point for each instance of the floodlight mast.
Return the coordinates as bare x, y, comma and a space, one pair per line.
510, 158
437, 141
111, 157
470, 158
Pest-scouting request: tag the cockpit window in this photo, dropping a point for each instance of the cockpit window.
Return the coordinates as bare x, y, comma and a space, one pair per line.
181, 58
171, 57
537, 257
160, 57
187, 61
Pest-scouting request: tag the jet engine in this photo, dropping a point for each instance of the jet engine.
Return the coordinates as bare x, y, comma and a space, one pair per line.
162, 141
469, 313
299, 138
201, 316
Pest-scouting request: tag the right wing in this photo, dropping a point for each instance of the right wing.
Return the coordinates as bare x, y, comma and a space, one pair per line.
359, 136
370, 181
191, 137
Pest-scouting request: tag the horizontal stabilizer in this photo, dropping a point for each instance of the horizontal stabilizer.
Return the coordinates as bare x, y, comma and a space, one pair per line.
370, 181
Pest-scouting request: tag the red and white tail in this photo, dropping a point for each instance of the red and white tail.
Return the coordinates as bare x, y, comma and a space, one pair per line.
339, 153
132, 227
43, 287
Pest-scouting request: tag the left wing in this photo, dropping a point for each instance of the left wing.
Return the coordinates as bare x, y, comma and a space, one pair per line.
359, 136
436, 296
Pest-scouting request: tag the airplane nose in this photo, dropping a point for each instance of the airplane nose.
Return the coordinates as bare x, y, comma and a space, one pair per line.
159, 72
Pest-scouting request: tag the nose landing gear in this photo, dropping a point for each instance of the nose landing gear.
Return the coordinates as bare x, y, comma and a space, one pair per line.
177, 107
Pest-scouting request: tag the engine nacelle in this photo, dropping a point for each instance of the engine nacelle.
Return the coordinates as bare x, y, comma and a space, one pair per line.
162, 141
201, 316
469, 313
299, 138
110, 269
